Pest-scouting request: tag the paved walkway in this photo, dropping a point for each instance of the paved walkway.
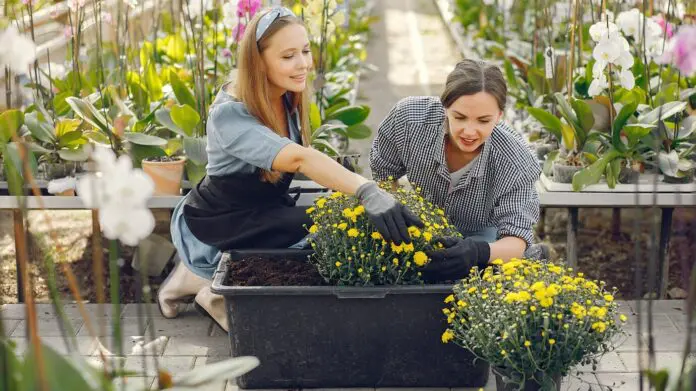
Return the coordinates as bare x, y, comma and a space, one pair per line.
192, 340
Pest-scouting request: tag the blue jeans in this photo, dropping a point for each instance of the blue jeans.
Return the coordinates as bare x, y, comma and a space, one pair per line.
202, 259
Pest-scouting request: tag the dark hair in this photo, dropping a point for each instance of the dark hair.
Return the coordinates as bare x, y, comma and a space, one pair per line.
473, 76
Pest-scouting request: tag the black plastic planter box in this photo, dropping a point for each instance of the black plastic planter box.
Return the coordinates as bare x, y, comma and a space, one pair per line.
326, 336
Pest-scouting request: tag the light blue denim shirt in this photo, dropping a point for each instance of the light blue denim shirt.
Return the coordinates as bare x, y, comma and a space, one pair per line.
238, 142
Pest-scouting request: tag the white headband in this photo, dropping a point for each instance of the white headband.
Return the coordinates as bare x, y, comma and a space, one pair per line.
269, 18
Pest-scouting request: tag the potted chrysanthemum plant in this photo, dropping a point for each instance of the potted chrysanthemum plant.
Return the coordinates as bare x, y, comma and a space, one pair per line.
533, 321
354, 293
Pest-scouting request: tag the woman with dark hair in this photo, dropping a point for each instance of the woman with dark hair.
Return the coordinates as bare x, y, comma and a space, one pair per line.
465, 159
257, 137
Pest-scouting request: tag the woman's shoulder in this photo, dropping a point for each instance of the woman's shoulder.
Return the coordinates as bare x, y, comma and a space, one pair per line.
420, 109
512, 152
228, 111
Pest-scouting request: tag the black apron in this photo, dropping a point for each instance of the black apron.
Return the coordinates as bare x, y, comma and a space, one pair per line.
240, 211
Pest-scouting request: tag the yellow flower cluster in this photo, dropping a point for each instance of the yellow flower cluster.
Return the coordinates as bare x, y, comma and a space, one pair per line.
349, 250
532, 314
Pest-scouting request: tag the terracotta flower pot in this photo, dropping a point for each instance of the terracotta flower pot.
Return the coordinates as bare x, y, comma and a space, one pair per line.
563, 173
166, 175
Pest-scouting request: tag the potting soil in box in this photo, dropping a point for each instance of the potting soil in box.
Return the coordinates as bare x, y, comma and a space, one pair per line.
327, 336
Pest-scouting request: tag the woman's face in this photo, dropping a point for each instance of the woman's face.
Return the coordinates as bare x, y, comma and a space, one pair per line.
471, 120
288, 59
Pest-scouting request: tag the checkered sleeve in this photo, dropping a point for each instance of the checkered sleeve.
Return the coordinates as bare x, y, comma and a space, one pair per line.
517, 210
386, 152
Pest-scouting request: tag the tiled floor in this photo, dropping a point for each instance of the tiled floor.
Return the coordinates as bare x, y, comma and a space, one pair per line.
191, 341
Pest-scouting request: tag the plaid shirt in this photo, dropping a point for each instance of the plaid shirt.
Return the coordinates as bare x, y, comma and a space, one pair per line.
499, 189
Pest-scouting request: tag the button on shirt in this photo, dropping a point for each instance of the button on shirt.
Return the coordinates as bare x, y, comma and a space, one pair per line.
496, 190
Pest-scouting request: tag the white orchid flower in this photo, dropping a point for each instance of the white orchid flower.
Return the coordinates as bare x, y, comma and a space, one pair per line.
626, 78
625, 60
598, 68
629, 22
129, 226
120, 193
598, 85
600, 30
16, 51
607, 50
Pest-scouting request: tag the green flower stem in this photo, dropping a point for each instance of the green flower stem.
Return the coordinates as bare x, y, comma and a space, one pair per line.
115, 299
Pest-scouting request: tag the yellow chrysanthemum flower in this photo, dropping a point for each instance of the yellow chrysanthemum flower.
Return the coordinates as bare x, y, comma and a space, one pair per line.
310, 210
376, 236
414, 232
552, 341
353, 233
527, 344
338, 264
321, 202
313, 229
447, 336
427, 236
420, 258
342, 226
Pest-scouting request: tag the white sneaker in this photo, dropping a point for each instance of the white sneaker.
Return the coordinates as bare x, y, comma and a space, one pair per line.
181, 283
212, 306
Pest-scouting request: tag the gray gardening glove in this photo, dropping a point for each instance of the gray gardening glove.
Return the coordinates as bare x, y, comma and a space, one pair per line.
390, 217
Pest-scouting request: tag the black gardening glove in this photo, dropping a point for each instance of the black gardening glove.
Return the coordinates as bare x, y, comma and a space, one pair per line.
390, 217
456, 259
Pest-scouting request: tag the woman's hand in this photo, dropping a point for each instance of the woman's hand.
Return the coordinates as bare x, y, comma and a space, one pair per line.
390, 217
456, 259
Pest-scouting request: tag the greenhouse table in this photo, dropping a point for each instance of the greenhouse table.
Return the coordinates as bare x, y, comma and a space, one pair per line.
310, 190
664, 197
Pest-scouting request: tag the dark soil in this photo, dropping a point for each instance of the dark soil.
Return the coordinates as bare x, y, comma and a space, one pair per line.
163, 159
257, 271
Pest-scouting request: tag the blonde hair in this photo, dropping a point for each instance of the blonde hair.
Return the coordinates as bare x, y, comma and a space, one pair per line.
252, 84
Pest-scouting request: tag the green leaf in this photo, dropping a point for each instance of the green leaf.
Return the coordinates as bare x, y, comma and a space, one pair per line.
567, 111
73, 138
338, 105
15, 166
359, 131
139, 152
584, 115
147, 53
324, 146
183, 94
635, 132
174, 145
10, 122
663, 112
194, 172
626, 112
153, 83
89, 113
144, 139
612, 173
39, 128
619, 122
176, 48
163, 116
658, 379
223, 370
592, 174
537, 80
314, 116
141, 97
60, 105
548, 120
80, 154
510, 75
548, 163
350, 115
64, 126
194, 148
185, 117
568, 136
61, 372
11, 365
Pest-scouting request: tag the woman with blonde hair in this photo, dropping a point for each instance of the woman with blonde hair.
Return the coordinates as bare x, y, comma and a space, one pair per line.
258, 136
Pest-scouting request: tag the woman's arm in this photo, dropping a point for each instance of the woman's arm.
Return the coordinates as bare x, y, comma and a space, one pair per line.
506, 248
318, 167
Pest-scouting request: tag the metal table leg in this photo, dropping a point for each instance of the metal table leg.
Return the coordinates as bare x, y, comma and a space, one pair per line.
572, 240
663, 258
541, 226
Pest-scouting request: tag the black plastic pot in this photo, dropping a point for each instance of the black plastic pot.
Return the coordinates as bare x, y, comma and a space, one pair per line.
529, 385
328, 336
